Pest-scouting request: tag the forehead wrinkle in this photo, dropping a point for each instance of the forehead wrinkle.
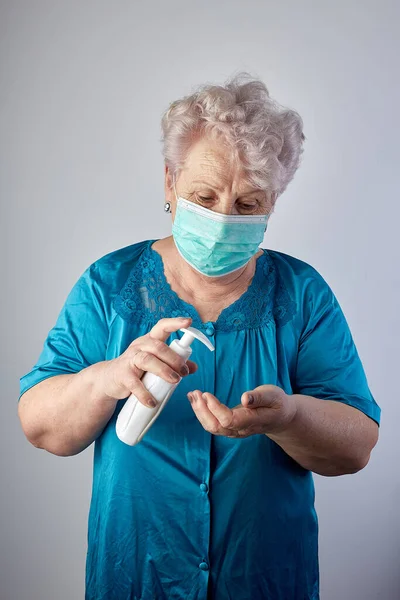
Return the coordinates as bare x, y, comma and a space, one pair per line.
213, 157
215, 168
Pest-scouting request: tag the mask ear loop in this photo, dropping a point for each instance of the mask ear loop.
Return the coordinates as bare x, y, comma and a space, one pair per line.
266, 224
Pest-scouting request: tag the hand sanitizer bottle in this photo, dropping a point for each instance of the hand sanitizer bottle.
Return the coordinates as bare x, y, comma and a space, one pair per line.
135, 419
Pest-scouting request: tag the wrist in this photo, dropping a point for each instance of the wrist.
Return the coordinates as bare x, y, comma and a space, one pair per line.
294, 409
290, 415
95, 378
298, 415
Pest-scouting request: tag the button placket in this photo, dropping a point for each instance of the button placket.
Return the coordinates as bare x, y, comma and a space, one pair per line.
203, 565
209, 330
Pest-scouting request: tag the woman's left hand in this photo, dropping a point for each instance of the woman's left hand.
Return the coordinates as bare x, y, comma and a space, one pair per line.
266, 409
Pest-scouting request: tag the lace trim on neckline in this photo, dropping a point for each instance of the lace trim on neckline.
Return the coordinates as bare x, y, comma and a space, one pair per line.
147, 297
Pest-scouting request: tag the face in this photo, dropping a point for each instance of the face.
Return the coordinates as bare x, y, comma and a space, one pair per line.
208, 179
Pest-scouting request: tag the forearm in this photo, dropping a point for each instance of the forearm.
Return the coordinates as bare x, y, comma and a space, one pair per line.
328, 437
66, 413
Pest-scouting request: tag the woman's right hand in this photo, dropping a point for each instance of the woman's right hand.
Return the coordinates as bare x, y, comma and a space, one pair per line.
122, 376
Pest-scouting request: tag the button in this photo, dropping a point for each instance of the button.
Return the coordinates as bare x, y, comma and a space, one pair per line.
210, 329
203, 566
204, 487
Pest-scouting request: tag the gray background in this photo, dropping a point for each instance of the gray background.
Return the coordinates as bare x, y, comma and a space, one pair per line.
82, 88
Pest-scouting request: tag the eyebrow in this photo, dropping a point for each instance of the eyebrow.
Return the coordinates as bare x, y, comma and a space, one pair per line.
208, 183
255, 191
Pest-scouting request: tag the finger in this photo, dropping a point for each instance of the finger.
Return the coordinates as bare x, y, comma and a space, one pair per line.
206, 418
193, 367
246, 419
146, 361
266, 396
221, 412
164, 327
237, 419
162, 351
234, 421
226, 432
142, 394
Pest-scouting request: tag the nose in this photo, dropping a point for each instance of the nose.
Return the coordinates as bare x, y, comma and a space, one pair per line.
225, 206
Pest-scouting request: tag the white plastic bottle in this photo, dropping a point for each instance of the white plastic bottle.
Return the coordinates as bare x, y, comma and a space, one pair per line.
135, 419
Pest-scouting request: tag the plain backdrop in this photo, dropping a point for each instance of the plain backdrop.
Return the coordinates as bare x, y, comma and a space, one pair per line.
82, 89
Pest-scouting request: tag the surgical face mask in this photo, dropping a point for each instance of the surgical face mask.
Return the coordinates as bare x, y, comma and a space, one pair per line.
215, 244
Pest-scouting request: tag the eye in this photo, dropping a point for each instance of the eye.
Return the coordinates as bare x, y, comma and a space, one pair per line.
248, 207
205, 198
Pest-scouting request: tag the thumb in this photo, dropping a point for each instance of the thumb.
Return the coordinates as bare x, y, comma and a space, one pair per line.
267, 396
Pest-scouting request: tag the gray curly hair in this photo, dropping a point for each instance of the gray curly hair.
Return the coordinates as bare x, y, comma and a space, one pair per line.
259, 134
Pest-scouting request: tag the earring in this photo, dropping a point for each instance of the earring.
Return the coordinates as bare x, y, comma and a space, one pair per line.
167, 207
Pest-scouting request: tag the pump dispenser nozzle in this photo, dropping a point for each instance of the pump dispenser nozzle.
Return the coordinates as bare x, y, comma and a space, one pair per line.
190, 334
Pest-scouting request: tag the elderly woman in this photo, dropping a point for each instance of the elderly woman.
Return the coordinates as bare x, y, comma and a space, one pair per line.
217, 500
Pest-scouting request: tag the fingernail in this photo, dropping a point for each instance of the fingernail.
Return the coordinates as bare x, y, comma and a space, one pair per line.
190, 397
250, 399
184, 370
151, 403
175, 376
204, 396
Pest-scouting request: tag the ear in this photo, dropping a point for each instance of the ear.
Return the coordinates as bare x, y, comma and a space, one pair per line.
167, 182
169, 195
168, 176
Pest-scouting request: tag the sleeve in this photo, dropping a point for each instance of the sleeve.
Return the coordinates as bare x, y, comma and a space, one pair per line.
328, 364
79, 336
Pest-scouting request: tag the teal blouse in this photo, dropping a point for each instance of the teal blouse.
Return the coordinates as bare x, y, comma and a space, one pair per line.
186, 514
